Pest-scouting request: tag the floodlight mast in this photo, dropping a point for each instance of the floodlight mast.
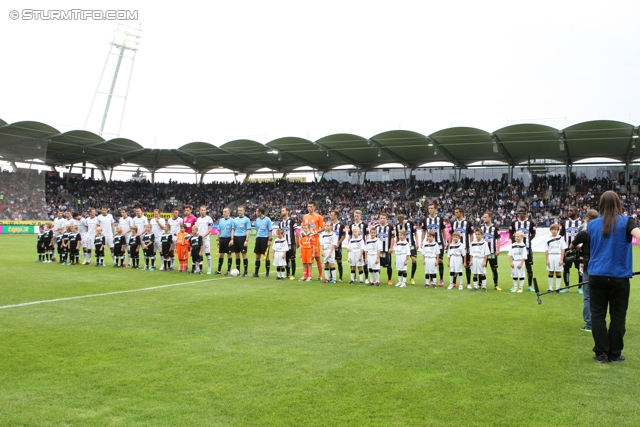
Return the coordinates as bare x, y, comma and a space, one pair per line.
126, 38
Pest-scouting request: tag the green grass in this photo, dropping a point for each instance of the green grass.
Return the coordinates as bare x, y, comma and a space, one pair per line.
258, 352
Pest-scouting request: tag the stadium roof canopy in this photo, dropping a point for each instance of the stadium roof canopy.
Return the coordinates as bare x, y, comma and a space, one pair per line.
461, 146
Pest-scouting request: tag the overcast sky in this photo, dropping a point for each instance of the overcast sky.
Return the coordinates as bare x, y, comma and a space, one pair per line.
265, 69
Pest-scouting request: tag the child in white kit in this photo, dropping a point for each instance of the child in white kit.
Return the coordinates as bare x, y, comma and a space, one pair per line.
373, 248
329, 241
555, 248
479, 251
517, 256
356, 252
402, 250
280, 248
431, 254
456, 253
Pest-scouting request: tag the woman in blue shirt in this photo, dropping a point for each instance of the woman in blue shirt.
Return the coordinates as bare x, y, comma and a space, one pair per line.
610, 268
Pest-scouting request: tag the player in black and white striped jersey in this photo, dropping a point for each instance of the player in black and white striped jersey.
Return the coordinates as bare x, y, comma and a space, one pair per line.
465, 229
364, 233
386, 235
339, 230
288, 224
528, 228
491, 235
410, 229
569, 230
434, 223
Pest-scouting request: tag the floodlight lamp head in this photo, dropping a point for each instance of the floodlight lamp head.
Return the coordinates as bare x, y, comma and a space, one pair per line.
435, 151
495, 148
379, 152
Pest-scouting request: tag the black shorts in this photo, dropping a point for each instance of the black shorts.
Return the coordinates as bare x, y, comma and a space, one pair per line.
338, 254
150, 251
567, 265
529, 260
99, 253
291, 253
166, 251
118, 250
224, 246
413, 252
493, 262
385, 259
261, 246
133, 252
238, 244
195, 256
40, 248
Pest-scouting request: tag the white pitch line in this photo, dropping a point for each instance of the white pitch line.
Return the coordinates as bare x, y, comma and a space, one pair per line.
109, 293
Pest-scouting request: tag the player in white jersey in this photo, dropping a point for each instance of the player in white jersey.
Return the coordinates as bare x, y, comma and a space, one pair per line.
431, 254
517, 257
126, 222
205, 226
479, 251
157, 229
402, 250
140, 221
356, 253
554, 251
174, 223
107, 223
373, 247
328, 242
457, 253
82, 230
59, 226
69, 220
92, 223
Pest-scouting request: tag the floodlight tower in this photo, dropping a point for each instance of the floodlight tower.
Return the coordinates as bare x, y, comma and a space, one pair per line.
123, 50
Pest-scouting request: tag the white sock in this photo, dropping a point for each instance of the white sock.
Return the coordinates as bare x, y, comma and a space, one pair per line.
333, 274
550, 282
558, 282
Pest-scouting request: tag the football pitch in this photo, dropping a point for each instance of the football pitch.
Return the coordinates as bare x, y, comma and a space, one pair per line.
120, 347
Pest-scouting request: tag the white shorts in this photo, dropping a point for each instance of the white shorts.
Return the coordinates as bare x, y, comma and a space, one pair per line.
400, 262
371, 262
279, 260
157, 245
554, 263
83, 240
476, 266
108, 241
517, 272
89, 241
430, 265
455, 264
206, 245
329, 256
353, 259
126, 245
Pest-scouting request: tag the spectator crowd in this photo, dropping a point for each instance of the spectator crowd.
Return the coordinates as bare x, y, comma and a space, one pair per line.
37, 196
